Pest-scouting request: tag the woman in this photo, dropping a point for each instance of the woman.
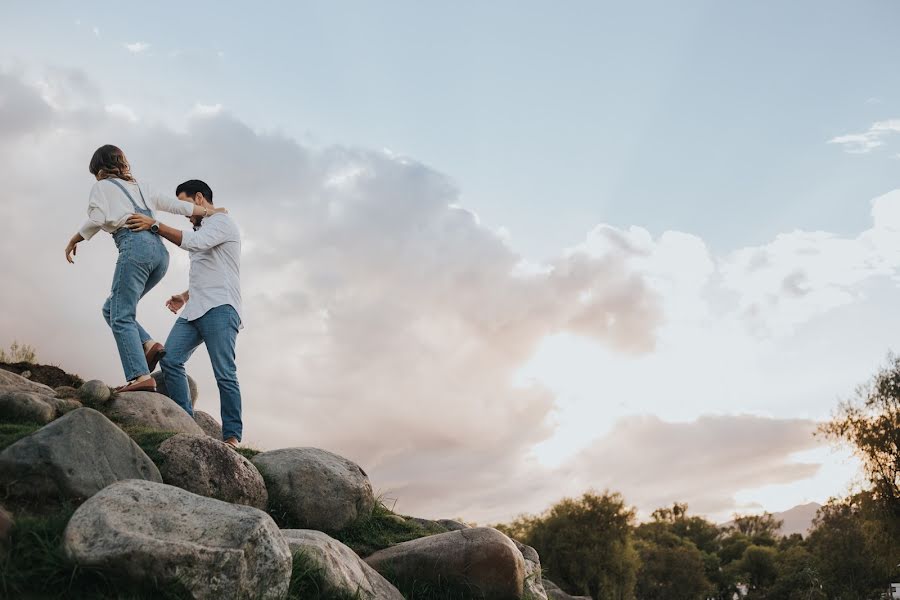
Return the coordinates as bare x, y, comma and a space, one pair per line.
143, 260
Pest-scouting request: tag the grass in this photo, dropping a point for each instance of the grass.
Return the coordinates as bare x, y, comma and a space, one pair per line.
308, 582
380, 530
36, 567
148, 439
10, 433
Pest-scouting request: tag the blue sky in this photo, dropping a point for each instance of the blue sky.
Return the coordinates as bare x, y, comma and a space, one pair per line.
564, 228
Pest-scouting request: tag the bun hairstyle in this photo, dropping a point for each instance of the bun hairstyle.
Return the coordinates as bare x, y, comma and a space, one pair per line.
109, 161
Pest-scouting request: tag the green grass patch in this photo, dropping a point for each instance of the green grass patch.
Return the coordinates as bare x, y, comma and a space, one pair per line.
307, 582
381, 529
148, 439
10, 433
248, 453
36, 567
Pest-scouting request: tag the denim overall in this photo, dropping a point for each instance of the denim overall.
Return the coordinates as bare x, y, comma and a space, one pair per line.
142, 263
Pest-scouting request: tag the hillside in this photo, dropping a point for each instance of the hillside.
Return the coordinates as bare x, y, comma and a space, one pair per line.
798, 519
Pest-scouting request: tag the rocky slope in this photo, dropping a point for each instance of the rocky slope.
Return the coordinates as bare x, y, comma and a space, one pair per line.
127, 496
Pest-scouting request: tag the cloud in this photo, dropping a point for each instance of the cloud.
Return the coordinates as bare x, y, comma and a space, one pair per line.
121, 111
206, 110
874, 137
137, 47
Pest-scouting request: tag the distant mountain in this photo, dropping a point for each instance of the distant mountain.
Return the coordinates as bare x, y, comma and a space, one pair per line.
796, 520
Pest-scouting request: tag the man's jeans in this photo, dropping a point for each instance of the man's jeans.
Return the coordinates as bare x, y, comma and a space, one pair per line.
142, 263
218, 328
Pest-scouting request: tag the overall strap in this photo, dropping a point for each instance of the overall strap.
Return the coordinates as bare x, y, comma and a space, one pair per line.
127, 193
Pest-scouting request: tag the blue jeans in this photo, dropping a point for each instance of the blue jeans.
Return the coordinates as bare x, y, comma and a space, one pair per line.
142, 263
218, 328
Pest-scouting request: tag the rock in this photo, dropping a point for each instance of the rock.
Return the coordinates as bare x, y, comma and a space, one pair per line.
66, 391
21, 406
315, 489
208, 424
452, 525
479, 557
63, 405
94, 392
396, 519
161, 387
11, 380
534, 588
26, 374
555, 593
72, 459
208, 467
425, 523
343, 572
6, 527
149, 409
155, 532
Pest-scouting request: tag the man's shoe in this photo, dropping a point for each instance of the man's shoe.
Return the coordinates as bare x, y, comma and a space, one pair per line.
147, 385
233, 442
154, 355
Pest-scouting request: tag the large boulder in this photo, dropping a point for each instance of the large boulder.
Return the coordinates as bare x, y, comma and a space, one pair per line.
155, 532
12, 381
315, 489
208, 467
152, 410
71, 459
479, 559
208, 424
342, 573
555, 593
19, 405
162, 389
534, 587
452, 524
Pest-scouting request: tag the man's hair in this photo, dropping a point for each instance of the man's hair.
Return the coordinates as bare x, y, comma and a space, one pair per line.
194, 187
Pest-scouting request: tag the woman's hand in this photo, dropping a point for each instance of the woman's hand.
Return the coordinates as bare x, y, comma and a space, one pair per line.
72, 247
138, 222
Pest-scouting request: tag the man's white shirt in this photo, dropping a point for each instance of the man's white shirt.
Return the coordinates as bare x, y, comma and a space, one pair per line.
215, 275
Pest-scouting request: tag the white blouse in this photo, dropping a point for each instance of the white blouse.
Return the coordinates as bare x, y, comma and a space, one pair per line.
109, 208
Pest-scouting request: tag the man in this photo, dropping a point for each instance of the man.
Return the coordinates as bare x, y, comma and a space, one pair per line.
212, 304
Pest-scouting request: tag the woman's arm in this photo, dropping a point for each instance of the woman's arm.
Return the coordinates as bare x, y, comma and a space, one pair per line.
181, 207
71, 249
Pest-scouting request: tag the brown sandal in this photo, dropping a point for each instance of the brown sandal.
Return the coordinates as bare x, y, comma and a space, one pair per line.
154, 355
147, 385
233, 442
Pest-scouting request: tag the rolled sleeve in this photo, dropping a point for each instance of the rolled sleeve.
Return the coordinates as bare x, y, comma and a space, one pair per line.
89, 229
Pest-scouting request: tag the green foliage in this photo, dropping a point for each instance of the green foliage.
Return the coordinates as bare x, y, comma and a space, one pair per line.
247, 453
10, 433
18, 353
307, 582
36, 567
672, 567
149, 440
870, 423
585, 544
381, 529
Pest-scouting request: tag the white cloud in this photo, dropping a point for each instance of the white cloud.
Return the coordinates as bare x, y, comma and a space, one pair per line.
121, 111
137, 47
205, 110
863, 143
96, 31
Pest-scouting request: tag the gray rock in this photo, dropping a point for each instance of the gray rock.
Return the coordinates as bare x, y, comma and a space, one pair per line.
161, 386
208, 467
555, 593
150, 531
343, 572
534, 588
480, 558
11, 380
149, 409
452, 525
71, 459
315, 489
66, 391
208, 424
94, 392
18, 406
62, 406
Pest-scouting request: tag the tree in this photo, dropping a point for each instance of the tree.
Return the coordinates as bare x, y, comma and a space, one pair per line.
870, 423
760, 529
585, 545
798, 575
672, 567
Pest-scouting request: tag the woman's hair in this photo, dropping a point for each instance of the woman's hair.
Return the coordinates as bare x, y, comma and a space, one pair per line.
109, 161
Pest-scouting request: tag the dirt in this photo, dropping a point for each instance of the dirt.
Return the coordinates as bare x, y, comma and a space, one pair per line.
46, 374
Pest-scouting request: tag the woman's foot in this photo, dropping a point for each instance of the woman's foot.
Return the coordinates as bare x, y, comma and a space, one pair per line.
144, 383
233, 442
153, 351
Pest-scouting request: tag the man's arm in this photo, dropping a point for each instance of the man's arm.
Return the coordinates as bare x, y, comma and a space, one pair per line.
212, 233
138, 222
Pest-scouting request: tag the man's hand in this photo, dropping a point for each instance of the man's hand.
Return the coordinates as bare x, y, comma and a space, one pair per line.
138, 222
71, 250
175, 303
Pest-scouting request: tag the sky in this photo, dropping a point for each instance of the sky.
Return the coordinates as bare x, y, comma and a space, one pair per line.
497, 253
